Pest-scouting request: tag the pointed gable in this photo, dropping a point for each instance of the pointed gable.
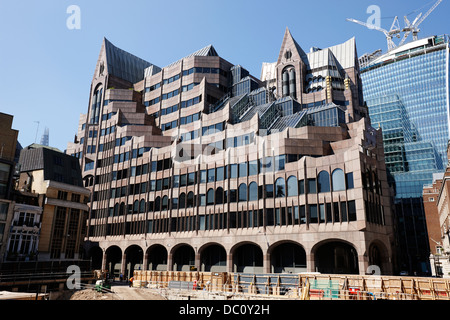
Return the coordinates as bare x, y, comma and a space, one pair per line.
290, 49
120, 63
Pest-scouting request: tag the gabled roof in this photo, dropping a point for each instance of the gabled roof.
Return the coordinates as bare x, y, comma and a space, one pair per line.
207, 51
122, 64
289, 43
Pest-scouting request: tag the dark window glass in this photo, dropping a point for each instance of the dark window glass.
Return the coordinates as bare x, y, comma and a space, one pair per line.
323, 181
211, 175
351, 210
253, 168
252, 191
220, 174
349, 179
210, 197
233, 171
312, 186
313, 213
243, 169
280, 188
243, 192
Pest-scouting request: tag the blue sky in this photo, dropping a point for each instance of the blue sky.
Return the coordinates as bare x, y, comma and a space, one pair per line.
46, 69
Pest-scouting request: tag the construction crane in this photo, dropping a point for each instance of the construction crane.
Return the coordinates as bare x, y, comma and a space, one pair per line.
413, 27
394, 31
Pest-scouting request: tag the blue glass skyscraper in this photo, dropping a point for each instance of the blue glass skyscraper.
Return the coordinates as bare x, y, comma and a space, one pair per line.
407, 94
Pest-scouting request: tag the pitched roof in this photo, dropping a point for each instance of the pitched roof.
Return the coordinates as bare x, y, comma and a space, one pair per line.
123, 64
203, 52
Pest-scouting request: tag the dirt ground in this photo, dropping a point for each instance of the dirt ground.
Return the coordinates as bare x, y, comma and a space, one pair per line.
119, 293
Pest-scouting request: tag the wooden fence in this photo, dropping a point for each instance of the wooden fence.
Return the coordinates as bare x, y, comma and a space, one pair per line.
320, 286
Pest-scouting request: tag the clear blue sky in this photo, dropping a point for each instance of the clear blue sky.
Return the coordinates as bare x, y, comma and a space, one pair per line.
46, 69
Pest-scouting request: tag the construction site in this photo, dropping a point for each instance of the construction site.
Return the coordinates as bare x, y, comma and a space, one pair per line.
177, 285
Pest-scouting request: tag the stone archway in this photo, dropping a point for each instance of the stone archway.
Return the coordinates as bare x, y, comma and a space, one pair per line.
113, 260
247, 258
287, 257
336, 257
157, 258
183, 258
95, 254
134, 257
213, 258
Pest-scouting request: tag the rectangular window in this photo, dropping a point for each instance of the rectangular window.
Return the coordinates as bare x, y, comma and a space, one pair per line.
220, 174
351, 210
243, 170
176, 181
191, 179
312, 185
233, 171
322, 213
313, 213
344, 211
211, 175
349, 180
269, 190
202, 176
280, 162
253, 168
202, 200
301, 186
183, 180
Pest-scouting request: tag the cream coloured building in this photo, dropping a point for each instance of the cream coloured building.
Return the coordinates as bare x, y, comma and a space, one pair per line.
201, 166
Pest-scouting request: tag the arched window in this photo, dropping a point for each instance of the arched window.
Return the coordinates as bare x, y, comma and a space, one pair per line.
210, 197
252, 191
116, 210
165, 203
280, 188
242, 192
182, 201
219, 195
158, 204
136, 206
292, 186
190, 200
323, 181
338, 179
142, 206
122, 209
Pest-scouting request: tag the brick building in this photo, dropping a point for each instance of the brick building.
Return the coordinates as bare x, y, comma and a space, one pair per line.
437, 211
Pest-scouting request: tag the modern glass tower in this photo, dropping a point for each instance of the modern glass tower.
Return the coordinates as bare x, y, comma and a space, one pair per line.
407, 93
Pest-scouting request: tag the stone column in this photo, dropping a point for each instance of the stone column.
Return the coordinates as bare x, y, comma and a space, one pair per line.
197, 261
169, 262
266, 263
310, 263
105, 257
145, 262
123, 265
229, 263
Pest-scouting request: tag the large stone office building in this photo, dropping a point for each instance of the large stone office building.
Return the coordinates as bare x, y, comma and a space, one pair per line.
201, 166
